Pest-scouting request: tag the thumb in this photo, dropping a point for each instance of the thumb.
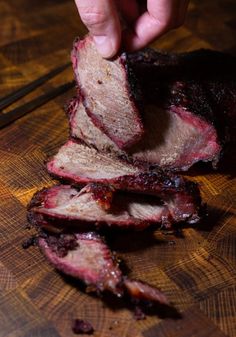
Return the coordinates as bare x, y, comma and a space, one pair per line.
101, 19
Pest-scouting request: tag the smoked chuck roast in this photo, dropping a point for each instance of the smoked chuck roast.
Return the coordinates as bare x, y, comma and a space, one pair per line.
135, 119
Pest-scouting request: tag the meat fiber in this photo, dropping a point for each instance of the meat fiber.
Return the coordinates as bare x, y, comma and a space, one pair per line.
109, 93
79, 163
189, 97
82, 127
91, 261
80, 209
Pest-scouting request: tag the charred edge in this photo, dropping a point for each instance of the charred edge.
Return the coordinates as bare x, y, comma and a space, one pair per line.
201, 64
153, 181
145, 182
37, 198
198, 73
192, 96
39, 222
61, 244
74, 51
220, 123
32, 241
102, 194
136, 96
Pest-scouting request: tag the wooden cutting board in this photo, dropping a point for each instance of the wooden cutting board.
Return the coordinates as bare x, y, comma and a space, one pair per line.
196, 270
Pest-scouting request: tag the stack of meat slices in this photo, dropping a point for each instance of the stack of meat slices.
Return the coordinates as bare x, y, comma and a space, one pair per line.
188, 106
132, 119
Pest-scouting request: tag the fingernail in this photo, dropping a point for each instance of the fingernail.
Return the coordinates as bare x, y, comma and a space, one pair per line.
104, 46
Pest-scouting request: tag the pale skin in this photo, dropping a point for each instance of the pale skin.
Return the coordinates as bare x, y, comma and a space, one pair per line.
130, 23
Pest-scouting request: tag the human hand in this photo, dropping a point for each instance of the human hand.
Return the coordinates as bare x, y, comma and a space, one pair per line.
144, 21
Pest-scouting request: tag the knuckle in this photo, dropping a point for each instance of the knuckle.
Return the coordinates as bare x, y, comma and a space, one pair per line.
93, 18
162, 24
165, 25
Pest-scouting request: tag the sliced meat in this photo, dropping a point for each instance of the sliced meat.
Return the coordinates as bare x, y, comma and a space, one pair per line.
175, 138
82, 127
91, 261
78, 208
109, 93
80, 164
189, 112
64, 204
143, 291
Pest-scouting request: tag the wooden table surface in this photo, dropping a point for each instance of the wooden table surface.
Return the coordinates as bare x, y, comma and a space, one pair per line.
197, 271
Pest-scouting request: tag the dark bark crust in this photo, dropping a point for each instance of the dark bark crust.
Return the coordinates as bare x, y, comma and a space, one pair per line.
202, 81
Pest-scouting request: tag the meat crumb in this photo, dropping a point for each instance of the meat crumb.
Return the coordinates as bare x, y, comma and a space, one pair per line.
82, 327
28, 242
139, 314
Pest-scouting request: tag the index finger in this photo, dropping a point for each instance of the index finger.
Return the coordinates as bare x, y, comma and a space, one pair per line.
101, 19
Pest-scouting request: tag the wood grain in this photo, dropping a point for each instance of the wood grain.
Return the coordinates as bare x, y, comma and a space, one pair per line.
196, 270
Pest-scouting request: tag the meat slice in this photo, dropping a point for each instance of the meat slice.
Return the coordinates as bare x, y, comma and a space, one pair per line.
79, 164
143, 291
109, 93
82, 127
90, 260
78, 208
81, 209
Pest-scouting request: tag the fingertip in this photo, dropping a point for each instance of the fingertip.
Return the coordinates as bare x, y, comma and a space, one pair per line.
104, 46
107, 46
